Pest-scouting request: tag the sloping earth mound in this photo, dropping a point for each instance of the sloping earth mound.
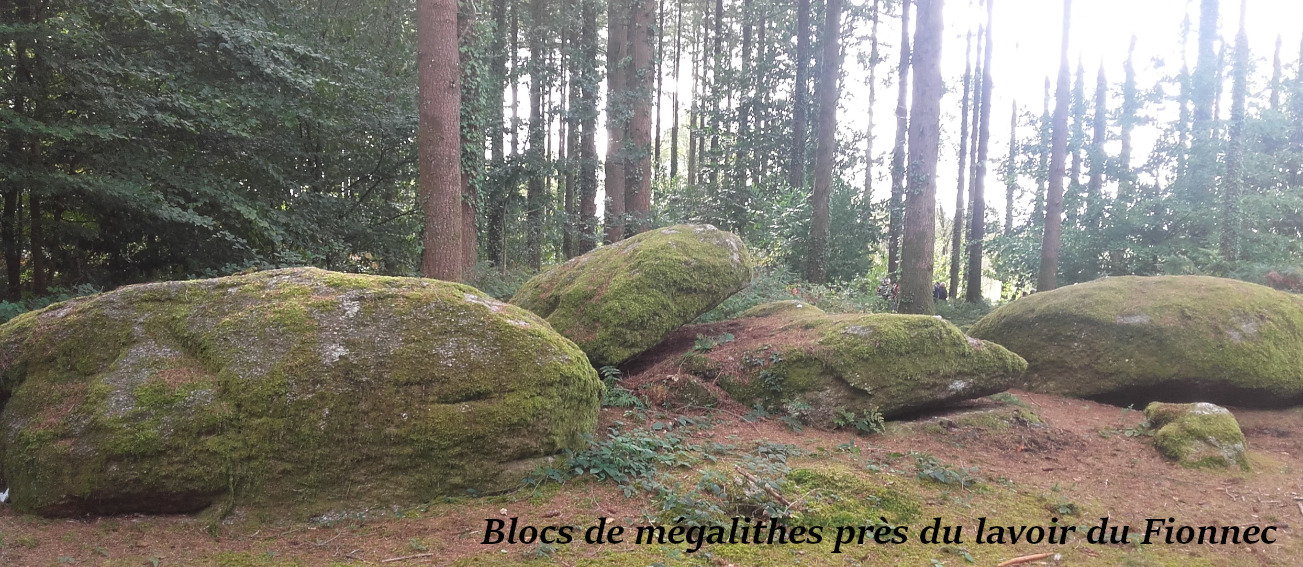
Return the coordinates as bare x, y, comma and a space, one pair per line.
294, 389
623, 298
1133, 340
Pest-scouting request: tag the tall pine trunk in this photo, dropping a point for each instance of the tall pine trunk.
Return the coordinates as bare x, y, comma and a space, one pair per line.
866, 199
588, 127
896, 206
1047, 278
796, 169
638, 172
817, 269
919, 240
1234, 181
617, 111
1098, 158
439, 138
977, 202
957, 229
1011, 170
538, 138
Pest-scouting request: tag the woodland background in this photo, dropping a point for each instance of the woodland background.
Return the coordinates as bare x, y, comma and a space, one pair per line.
150, 140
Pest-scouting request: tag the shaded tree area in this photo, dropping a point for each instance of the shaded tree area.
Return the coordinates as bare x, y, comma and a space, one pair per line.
149, 140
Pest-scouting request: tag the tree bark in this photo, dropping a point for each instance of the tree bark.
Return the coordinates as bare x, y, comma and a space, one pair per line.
674, 97
957, 232
617, 114
796, 170
1130, 107
866, 199
817, 268
439, 137
1011, 170
1047, 278
638, 173
538, 138
977, 203
1235, 152
896, 206
919, 242
1098, 158
496, 231
588, 128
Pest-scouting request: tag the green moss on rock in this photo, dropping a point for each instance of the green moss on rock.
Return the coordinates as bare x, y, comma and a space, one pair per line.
895, 364
290, 390
624, 298
1198, 435
1137, 339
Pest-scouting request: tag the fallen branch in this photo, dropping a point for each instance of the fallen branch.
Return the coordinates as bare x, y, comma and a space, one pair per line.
1025, 559
406, 557
772, 492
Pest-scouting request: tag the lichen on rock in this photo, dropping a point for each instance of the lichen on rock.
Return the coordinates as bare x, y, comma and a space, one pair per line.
624, 298
291, 390
1197, 435
1133, 340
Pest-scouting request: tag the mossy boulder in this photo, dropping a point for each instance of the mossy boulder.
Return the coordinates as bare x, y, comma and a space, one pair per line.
819, 366
1133, 340
624, 298
1197, 435
295, 391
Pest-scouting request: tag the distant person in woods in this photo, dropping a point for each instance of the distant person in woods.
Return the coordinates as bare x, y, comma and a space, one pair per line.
939, 291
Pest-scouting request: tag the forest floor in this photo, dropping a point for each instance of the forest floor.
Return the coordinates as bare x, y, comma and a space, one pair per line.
1015, 459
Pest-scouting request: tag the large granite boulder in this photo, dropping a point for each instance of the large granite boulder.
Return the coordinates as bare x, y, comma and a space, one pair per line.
624, 298
801, 360
1133, 340
295, 391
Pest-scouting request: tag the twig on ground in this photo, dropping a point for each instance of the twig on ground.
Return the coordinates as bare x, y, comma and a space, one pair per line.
1025, 559
406, 557
772, 492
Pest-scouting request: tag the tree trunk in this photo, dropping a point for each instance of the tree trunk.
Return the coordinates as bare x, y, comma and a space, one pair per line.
588, 128
1043, 160
1130, 107
1074, 197
497, 205
796, 171
1235, 152
1011, 170
617, 111
674, 97
13, 254
957, 230
638, 173
866, 199
439, 137
660, 78
1275, 77
738, 200
977, 203
472, 136
538, 138
919, 242
1203, 92
1047, 279
897, 204
1094, 190
817, 268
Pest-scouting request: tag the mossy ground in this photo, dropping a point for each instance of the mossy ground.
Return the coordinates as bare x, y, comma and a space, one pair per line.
290, 391
1133, 340
1020, 473
623, 298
